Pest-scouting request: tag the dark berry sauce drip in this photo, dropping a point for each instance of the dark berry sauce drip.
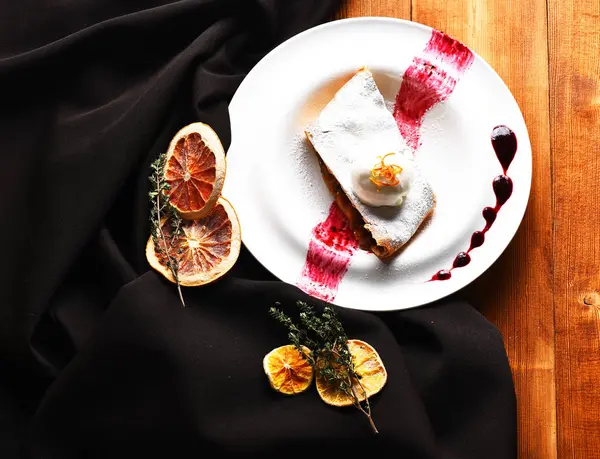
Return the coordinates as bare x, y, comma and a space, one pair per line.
503, 188
504, 143
477, 240
462, 259
489, 214
442, 274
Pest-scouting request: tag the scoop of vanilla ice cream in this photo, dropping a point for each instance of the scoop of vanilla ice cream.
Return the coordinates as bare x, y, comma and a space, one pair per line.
368, 192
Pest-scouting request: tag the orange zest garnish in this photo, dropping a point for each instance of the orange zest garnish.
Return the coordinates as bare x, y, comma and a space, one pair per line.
385, 174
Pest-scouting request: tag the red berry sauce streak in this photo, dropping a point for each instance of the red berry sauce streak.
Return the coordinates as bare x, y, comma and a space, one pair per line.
504, 142
430, 79
329, 253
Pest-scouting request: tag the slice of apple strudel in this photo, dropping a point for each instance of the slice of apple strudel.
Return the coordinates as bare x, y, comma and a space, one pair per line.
368, 167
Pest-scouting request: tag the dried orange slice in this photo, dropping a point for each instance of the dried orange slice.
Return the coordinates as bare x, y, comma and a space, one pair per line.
288, 372
208, 248
368, 366
195, 170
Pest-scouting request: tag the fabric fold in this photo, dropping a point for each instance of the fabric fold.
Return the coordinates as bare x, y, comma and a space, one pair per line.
97, 357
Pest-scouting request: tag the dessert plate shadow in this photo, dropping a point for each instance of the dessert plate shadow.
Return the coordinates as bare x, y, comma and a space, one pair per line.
275, 183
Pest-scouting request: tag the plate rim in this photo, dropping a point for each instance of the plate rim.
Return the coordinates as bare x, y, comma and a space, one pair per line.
519, 213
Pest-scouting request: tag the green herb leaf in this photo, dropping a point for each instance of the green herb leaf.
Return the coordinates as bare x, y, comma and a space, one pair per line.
330, 358
161, 209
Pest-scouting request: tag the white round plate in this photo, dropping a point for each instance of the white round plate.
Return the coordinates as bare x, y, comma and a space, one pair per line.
274, 182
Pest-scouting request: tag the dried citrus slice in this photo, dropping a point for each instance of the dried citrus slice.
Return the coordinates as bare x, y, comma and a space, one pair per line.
206, 250
195, 170
288, 372
368, 366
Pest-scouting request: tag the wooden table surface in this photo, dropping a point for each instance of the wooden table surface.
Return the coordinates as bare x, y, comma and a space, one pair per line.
543, 292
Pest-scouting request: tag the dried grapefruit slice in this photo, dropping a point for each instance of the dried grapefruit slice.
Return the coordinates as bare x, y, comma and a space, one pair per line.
368, 366
208, 248
288, 372
195, 170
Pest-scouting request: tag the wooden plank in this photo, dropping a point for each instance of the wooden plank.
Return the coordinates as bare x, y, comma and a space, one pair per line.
516, 293
393, 8
574, 43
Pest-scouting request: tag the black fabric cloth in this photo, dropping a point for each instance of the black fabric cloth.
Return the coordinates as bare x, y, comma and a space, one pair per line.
97, 357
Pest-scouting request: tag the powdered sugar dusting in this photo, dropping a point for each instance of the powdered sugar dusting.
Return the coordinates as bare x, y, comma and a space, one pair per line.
389, 104
303, 159
357, 123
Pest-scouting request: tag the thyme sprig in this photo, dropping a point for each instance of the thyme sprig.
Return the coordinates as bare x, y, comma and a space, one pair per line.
330, 358
161, 210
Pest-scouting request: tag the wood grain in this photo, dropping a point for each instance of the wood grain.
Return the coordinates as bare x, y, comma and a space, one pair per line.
394, 8
517, 292
574, 43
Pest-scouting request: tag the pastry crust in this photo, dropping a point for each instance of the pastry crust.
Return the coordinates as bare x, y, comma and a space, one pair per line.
356, 122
